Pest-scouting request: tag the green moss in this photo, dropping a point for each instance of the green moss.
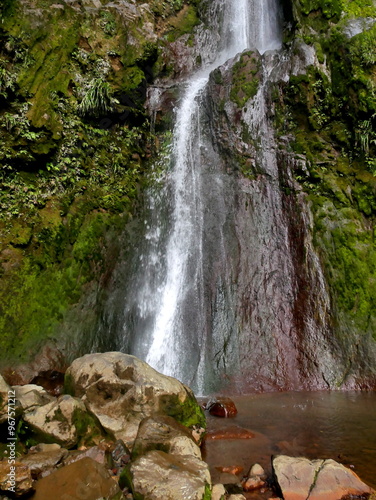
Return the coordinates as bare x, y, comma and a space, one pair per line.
208, 493
183, 22
88, 428
126, 481
331, 116
189, 413
245, 79
69, 385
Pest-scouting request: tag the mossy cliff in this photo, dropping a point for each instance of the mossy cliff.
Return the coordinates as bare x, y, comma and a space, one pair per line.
74, 149
329, 115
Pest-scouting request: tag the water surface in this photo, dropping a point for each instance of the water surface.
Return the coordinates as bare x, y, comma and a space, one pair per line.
337, 425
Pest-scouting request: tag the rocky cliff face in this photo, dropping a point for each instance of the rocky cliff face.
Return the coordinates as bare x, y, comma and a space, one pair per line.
303, 187
289, 273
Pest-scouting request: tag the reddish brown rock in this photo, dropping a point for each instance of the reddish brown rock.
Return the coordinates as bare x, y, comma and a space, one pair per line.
15, 478
233, 432
46, 369
222, 407
85, 479
336, 481
232, 469
253, 483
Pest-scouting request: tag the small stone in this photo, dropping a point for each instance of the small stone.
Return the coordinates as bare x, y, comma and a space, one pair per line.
253, 483
120, 454
256, 470
232, 469
222, 407
218, 492
198, 434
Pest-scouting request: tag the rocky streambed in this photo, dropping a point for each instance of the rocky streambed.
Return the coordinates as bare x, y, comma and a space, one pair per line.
121, 430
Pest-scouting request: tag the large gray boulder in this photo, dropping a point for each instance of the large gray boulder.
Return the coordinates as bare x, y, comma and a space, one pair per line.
304, 479
121, 390
160, 476
64, 421
164, 433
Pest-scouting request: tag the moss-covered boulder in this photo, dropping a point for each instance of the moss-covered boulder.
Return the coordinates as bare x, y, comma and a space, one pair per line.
64, 421
122, 390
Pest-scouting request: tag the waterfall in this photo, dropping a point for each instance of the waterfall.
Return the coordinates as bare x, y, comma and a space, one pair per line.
168, 321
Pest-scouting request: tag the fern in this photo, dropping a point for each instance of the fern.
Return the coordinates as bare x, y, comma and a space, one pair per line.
97, 100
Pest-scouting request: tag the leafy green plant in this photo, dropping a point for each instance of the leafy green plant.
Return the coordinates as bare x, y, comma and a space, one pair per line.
97, 100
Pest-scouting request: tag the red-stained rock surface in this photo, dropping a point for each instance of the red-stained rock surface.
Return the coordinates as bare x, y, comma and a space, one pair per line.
222, 407
253, 483
233, 432
232, 469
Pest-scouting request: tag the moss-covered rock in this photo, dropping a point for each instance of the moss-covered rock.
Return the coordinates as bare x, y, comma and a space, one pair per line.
330, 112
122, 390
64, 421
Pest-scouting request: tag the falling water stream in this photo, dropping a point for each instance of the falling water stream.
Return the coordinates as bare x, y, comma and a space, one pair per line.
169, 310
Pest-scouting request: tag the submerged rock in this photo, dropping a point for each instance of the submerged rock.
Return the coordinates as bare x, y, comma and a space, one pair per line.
122, 390
160, 476
304, 479
233, 432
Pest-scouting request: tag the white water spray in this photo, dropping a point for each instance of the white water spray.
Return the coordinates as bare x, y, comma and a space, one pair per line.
176, 304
